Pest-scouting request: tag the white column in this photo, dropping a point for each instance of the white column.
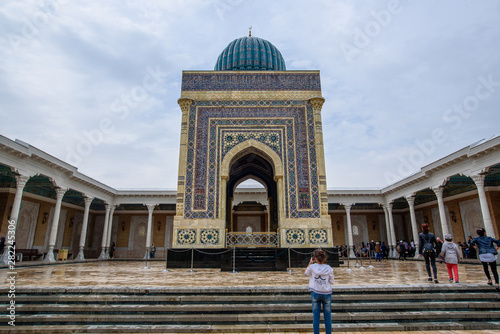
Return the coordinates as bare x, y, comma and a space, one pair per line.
414, 229
14, 215
151, 207
488, 225
442, 213
393, 252
55, 225
350, 239
105, 232
83, 233
110, 229
388, 229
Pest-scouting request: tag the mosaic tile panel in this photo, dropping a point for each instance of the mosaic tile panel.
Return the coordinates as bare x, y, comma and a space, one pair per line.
213, 81
209, 236
186, 236
295, 236
287, 127
318, 236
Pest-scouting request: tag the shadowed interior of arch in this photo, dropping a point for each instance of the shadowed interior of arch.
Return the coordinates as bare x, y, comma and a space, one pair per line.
256, 214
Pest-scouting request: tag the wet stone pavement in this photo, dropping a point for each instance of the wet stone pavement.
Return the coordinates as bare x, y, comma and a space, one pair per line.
133, 274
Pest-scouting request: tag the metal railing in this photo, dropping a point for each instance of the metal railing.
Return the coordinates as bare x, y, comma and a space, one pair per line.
252, 239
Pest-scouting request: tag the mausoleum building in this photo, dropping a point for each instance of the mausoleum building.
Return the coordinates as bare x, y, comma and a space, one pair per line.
249, 118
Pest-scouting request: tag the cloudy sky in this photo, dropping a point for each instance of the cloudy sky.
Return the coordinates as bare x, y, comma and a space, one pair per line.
96, 83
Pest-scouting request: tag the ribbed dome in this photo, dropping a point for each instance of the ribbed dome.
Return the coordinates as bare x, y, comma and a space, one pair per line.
250, 54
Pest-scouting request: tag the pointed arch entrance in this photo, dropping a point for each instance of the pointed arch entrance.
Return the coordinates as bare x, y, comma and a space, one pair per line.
252, 159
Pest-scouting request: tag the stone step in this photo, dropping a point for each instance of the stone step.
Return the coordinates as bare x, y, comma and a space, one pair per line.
250, 310
304, 297
259, 318
337, 289
255, 308
253, 328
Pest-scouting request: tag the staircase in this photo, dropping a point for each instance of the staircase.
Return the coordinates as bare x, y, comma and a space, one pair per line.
271, 259
256, 259
249, 310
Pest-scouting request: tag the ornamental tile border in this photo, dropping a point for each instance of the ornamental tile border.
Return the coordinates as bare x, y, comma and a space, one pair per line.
217, 81
253, 118
250, 95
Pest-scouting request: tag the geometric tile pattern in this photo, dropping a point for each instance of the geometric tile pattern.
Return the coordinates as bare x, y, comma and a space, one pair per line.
295, 236
209, 236
186, 236
318, 236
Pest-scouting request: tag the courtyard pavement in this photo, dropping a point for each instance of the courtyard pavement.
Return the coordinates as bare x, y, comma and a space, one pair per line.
119, 273
133, 274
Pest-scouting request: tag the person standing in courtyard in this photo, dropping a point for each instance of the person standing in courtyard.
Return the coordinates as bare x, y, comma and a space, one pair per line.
152, 251
378, 252
427, 249
320, 284
112, 250
439, 246
451, 254
402, 250
487, 254
384, 250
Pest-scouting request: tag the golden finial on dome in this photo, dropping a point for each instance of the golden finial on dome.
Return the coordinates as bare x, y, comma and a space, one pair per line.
250, 31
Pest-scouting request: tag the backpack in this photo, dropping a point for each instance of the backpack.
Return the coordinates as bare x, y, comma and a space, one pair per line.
428, 246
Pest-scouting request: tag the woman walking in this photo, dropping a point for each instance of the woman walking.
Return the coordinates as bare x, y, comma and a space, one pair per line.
320, 285
487, 254
427, 246
451, 255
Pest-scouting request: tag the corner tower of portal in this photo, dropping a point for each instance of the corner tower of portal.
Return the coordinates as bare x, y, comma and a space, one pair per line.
251, 117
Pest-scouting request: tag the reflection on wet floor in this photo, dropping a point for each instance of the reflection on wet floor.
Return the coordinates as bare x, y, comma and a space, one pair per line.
133, 274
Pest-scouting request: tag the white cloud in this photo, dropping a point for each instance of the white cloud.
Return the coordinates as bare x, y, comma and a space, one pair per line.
71, 63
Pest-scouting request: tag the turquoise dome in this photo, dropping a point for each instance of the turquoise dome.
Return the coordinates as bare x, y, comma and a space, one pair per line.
250, 54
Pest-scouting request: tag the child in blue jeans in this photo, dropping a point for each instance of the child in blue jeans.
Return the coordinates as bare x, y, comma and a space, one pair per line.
320, 285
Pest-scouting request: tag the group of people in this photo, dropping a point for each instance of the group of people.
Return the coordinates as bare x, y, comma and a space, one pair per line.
379, 250
321, 275
486, 246
468, 251
376, 250
405, 249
